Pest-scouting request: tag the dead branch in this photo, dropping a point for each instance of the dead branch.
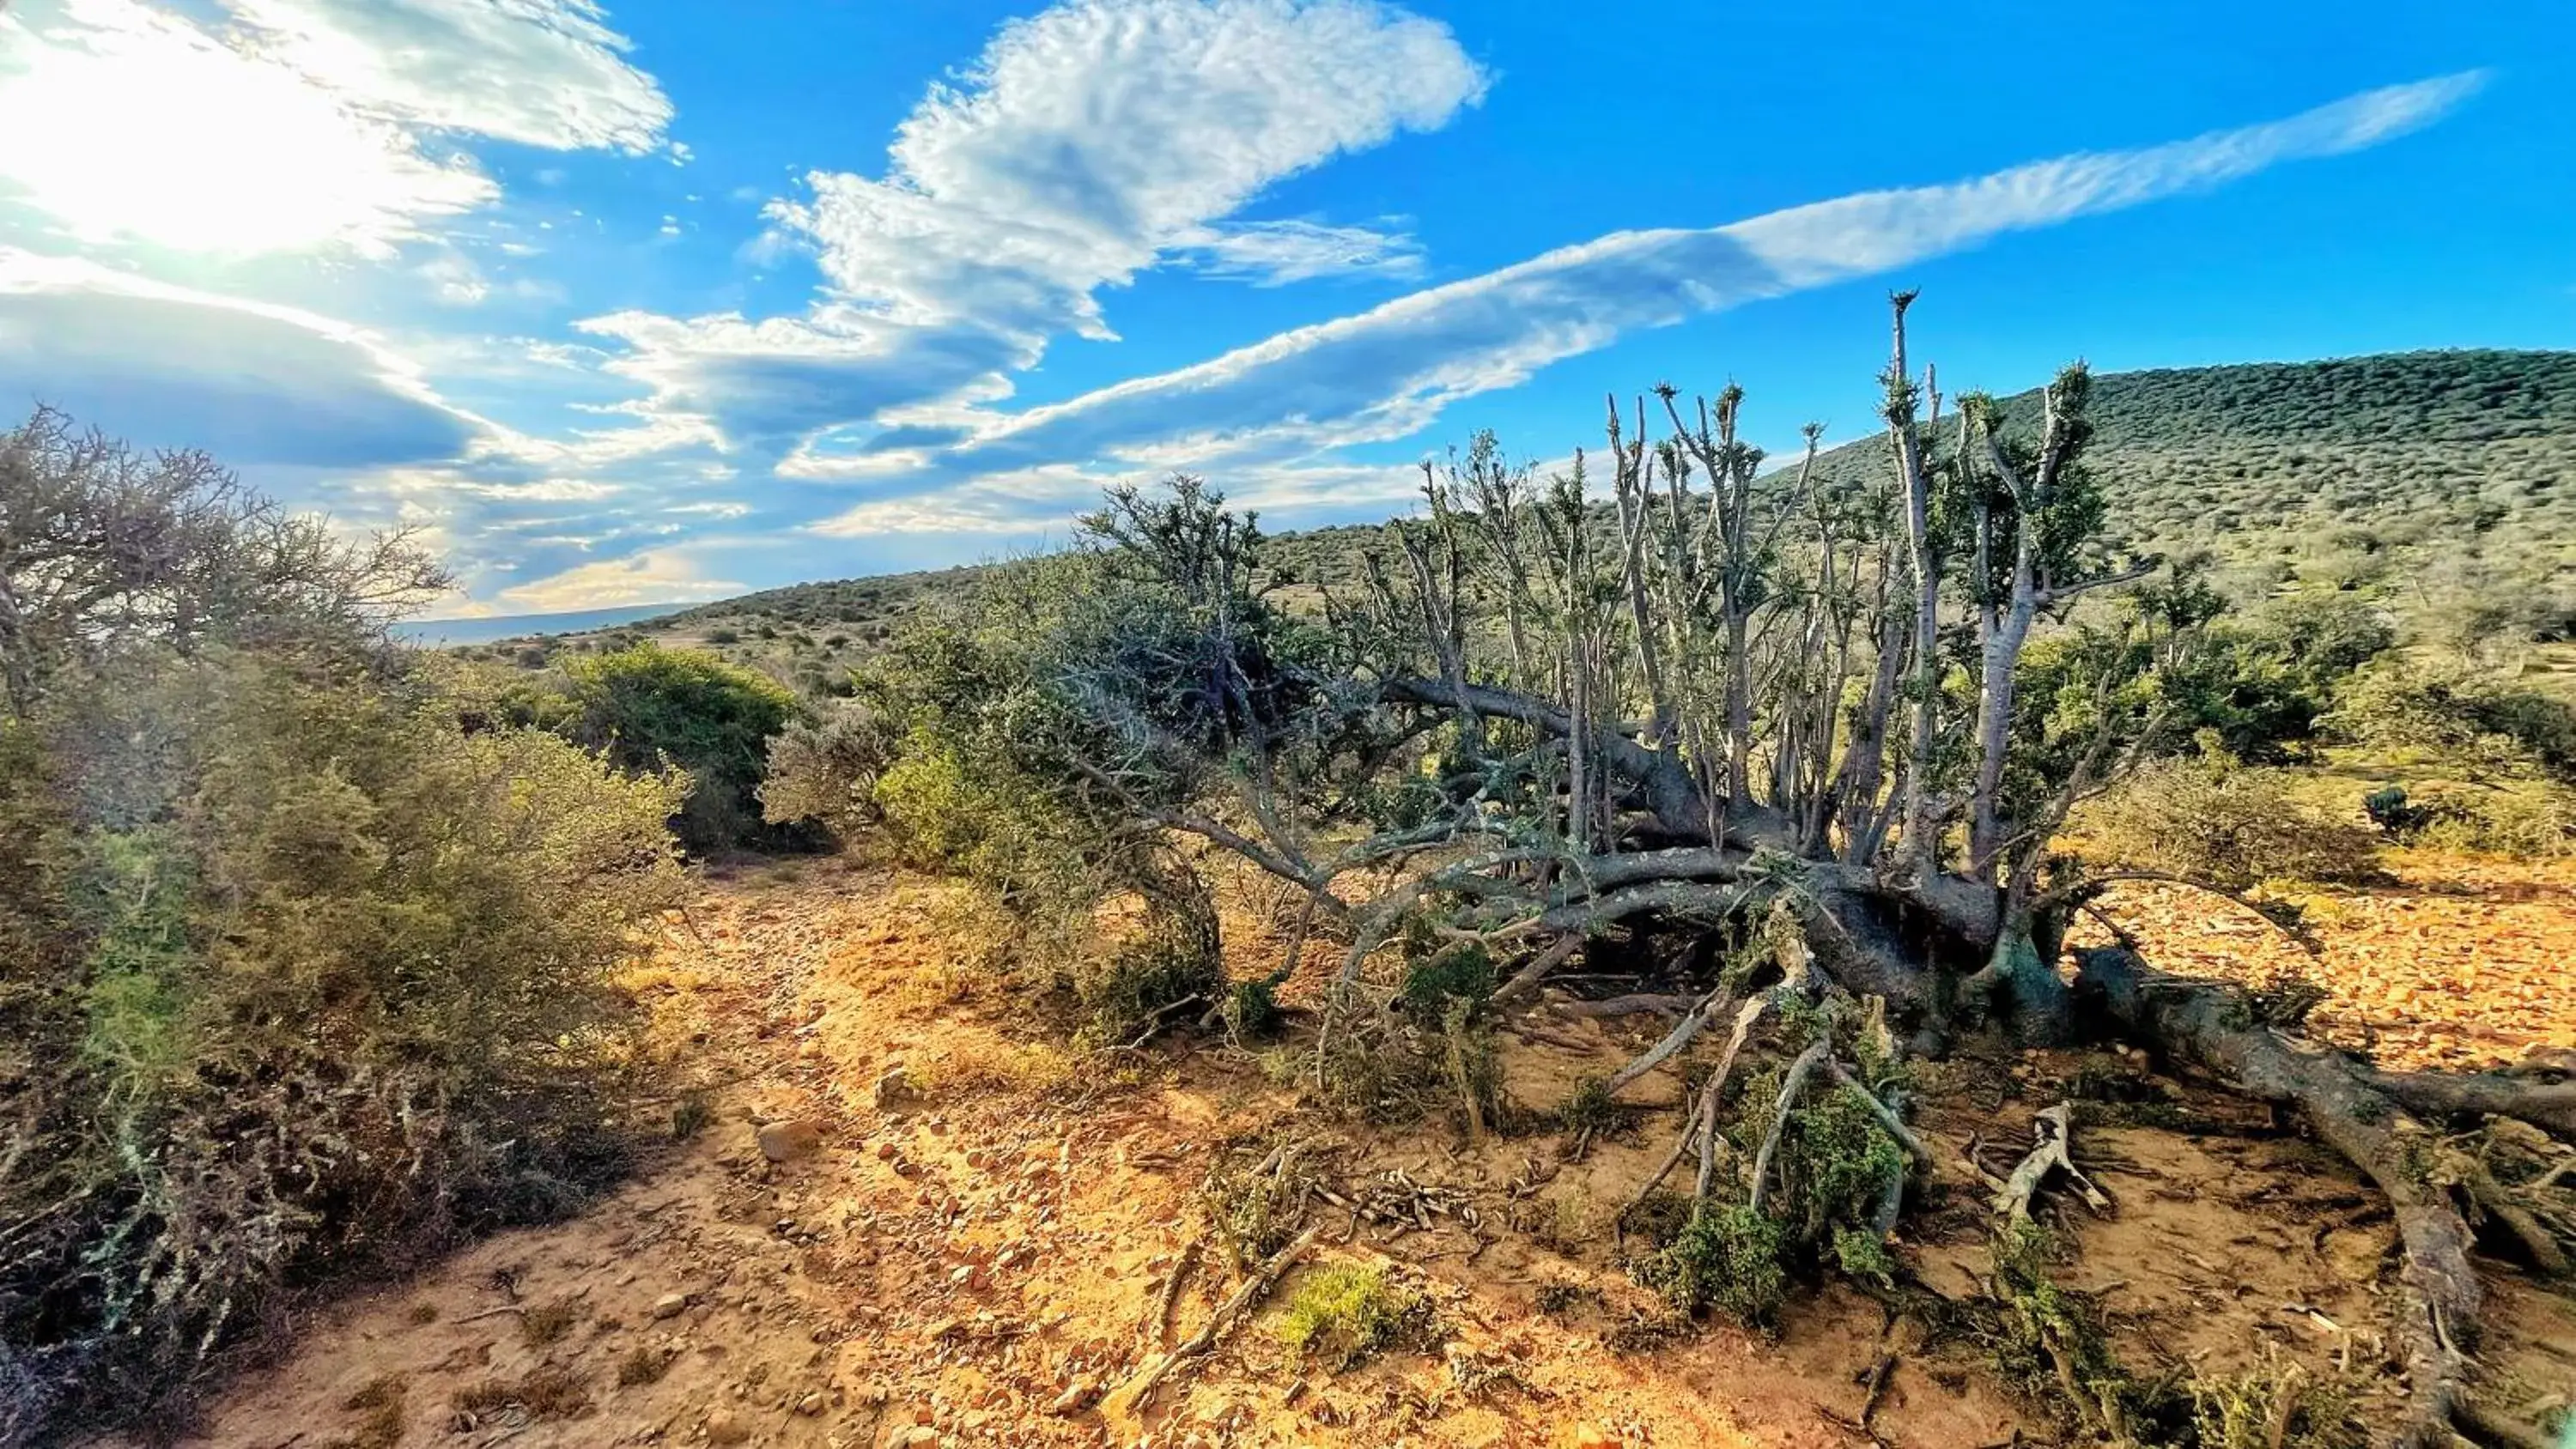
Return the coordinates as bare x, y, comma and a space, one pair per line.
1132, 1395
1790, 1087
2052, 1134
1158, 1327
1680, 1036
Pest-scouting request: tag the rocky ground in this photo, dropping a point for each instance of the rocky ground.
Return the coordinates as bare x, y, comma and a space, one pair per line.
900, 1211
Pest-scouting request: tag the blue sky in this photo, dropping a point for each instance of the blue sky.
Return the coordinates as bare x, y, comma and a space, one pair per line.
660, 301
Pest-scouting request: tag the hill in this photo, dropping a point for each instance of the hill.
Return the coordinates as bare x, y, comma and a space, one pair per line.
2447, 476
494, 628
2444, 482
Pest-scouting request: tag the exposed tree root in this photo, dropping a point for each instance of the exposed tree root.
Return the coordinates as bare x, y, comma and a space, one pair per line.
2548, 1106
1791, 1086
2212, 1026
1680, 1036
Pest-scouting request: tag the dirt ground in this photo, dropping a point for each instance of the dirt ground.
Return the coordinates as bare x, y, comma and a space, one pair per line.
974, 1253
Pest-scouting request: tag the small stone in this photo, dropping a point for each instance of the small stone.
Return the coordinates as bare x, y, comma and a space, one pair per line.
787, 1141
890, 1089
724, 1427
812, 1404
1589, 1437
670, 1305
886, 1150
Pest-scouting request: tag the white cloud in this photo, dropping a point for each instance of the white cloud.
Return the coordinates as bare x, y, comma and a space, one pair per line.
1089, 142
296, 127
1275, 253
251, 382
1387, 373
544, 73
655, 576
455, 280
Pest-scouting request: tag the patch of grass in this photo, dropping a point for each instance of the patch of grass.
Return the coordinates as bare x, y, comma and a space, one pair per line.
1644, 1334
690, 1115
1562, 1299
547, 1322
1589, 1110
644, 1365
380, 1400
545, 1392
2274, 1407
1348, 1314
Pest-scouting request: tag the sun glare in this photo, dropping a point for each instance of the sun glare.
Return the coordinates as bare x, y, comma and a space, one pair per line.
126, 125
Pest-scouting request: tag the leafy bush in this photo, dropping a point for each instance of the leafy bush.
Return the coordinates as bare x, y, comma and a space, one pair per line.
825, 772
2491, 727
648, 707
2228, 825
303, 978
1349, 1314
1724, 1257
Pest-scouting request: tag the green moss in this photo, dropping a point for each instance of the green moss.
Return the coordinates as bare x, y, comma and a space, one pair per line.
1347, 1315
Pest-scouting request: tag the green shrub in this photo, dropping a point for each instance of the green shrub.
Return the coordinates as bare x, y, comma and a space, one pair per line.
825, 772
2229, 825
649, 707
2533, 819
1725, 1257
1347, 1315
1459, 973
303, 979
1252, 1010
1136, 985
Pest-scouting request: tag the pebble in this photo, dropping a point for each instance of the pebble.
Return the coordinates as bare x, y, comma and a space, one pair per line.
727, 1428
670, 1305
788, 1141
890, 1089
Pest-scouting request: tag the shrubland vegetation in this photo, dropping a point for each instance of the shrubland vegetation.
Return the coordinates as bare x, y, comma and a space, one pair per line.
1819, 738
304, 968
306, 942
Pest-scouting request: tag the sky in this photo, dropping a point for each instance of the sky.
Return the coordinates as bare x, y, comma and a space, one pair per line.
660, 301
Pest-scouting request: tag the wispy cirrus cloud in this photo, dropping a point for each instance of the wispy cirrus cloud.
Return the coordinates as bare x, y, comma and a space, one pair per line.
1089, 142
1389, 372
1276, 253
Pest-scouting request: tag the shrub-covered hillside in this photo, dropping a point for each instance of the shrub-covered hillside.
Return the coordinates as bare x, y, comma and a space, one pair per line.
2446, 477
2444, 482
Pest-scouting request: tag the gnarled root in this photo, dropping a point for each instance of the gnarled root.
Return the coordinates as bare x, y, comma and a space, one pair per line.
2210, 1025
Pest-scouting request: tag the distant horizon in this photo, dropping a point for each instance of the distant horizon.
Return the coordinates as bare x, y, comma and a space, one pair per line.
641, 303
1394, 508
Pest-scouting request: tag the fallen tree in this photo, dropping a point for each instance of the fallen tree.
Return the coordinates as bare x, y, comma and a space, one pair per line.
1816, 737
